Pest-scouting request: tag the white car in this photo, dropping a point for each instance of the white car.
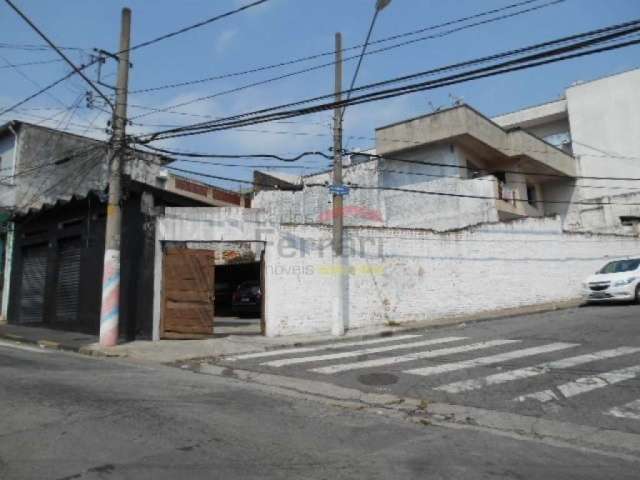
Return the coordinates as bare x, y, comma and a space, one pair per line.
616, 281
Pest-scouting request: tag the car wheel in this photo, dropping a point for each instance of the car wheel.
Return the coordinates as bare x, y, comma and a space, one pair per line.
638, 294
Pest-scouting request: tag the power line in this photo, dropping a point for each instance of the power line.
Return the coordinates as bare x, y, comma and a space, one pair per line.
327, 170
196, 25
482, 197
60, 161
87, 166
268, 155
477, 169
442, 69
59, 52
385, 138
404, 190
189, 155
14, 67
28, 64
44, 89
236, 180
355, 47
35, 48
510, 182
246, 165
496, 69
318, 67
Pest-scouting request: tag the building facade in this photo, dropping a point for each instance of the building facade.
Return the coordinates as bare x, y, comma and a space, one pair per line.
55, 200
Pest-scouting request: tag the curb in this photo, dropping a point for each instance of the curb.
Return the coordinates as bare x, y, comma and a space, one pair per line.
443, 322
386, 331
53, 345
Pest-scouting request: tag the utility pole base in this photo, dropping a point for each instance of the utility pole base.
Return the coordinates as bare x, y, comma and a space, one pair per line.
110, 312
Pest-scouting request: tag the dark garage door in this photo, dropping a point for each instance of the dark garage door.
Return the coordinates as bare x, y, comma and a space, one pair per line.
68, 284
34, 272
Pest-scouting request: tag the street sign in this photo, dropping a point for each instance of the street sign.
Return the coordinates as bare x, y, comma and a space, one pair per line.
339, 190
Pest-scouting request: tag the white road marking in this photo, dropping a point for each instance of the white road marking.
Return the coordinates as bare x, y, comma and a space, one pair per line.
26, 348
490, 360
630, 410
541, 369
541, 396
331, 346
411, 357
586, 384
357, 353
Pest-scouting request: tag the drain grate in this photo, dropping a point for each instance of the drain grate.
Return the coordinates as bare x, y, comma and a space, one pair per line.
378, 379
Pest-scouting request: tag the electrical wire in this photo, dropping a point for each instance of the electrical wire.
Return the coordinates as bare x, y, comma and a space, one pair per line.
194, 26
235, 180
497, 56
479, 169
247, 165
60, 161
35, 48
403, 190
325, 65
485, 72
59, 52
482, 197
44, 89
344, 50
211, 155
28, 64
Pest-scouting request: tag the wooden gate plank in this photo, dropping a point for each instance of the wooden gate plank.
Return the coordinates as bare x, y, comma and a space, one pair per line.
188, 289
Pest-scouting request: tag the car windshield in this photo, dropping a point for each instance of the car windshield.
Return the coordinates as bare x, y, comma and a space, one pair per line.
621, 266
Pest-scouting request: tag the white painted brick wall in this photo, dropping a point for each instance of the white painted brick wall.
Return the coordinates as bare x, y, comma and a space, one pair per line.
420, 276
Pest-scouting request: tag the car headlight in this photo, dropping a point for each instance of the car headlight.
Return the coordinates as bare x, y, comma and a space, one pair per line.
626, 281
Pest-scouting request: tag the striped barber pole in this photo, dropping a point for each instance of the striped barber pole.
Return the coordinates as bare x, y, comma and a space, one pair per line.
110, 311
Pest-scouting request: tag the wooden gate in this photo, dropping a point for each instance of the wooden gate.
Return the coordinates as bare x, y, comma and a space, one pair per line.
188, 293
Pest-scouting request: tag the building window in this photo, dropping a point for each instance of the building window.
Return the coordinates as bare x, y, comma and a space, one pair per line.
630, 221
532, 195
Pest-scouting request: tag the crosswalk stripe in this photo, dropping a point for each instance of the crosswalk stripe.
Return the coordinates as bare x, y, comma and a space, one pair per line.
411, 357
330, 346
490, 360
584, 384
541, 369
357, 353
630, 410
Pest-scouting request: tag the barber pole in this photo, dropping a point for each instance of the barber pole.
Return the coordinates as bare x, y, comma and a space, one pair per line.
110, 312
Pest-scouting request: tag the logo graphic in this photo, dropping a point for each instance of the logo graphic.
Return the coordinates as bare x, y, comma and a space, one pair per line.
353, 211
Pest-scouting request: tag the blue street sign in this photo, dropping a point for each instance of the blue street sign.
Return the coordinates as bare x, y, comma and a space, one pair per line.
339, 190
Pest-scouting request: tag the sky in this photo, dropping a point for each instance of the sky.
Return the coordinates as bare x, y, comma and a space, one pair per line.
275, 32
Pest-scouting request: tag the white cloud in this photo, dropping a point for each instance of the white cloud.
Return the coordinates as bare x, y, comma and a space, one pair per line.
224, 39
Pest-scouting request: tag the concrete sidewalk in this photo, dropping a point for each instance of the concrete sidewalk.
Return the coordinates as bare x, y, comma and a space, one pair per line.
170, 351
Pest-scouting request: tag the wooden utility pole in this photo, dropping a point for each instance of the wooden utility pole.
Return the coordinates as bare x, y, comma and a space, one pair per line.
338, 211
110, 311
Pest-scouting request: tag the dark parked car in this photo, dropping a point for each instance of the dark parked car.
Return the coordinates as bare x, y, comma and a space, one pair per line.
247, 299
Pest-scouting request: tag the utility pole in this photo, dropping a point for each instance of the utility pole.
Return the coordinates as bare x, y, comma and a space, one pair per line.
338, 211
110, 311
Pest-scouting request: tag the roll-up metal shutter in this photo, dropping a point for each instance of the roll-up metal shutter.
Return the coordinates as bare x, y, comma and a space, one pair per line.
34, 273
68, 284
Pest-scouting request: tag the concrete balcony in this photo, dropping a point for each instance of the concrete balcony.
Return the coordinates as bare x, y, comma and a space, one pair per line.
494, 146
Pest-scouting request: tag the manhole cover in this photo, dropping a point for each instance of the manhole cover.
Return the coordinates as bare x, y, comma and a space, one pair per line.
378, 379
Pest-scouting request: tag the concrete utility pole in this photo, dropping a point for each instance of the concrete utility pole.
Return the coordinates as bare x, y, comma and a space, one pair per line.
110, 311
338, 327
337, 152
338, 189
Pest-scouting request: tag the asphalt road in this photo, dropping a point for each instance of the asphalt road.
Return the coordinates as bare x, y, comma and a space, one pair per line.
65, 416
577, 365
